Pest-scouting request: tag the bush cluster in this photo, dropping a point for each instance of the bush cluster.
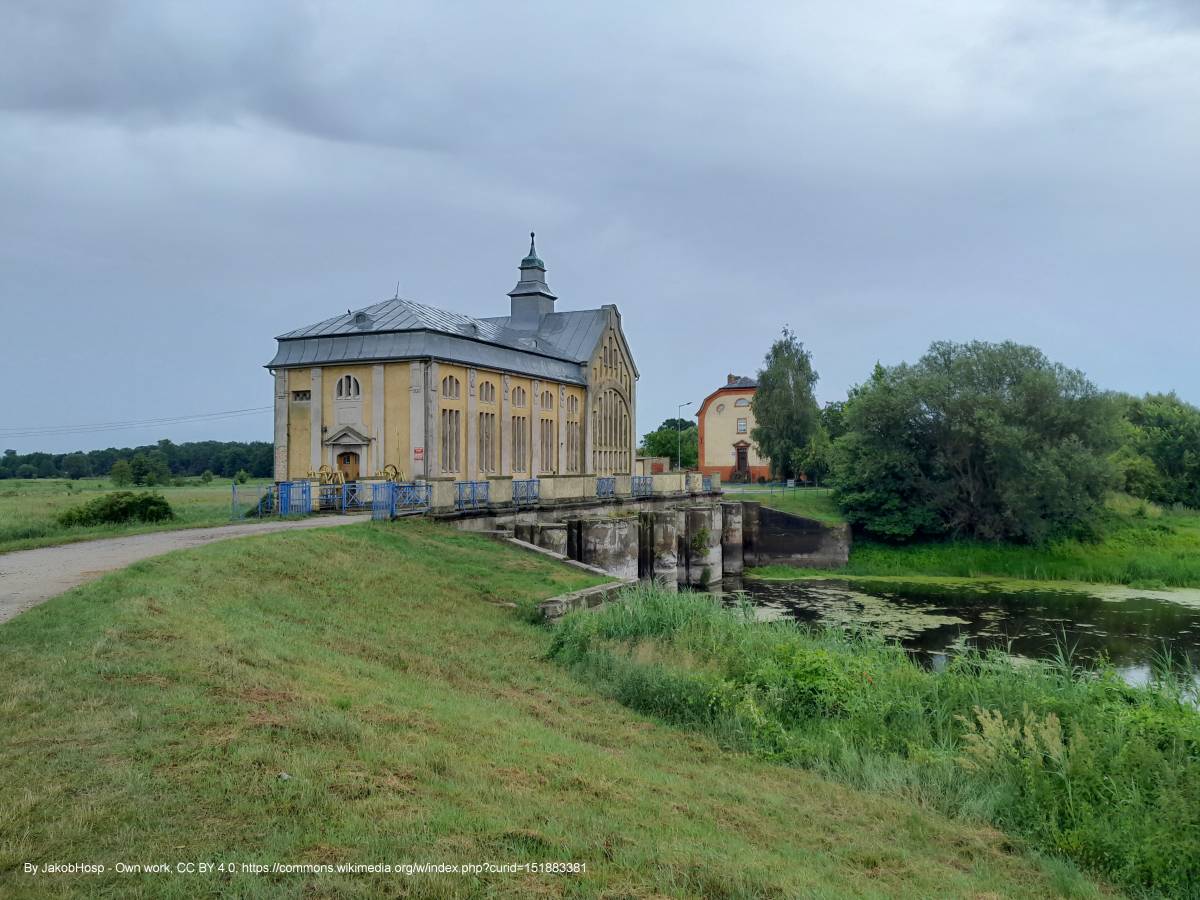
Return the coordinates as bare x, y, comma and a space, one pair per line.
1079, 763
121, 506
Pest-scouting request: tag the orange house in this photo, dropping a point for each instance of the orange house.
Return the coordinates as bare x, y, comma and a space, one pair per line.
726, 422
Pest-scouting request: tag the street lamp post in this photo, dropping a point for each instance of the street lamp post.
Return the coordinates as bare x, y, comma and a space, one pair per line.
679, 435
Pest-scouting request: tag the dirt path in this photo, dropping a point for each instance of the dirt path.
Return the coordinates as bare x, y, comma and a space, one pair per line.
30, 577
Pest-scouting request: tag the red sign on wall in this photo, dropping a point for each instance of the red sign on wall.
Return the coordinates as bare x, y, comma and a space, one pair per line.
419, 453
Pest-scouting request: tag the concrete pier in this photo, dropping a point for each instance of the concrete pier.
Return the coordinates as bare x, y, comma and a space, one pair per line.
611, 544
703, 544
731, 538
657, 548
551, 536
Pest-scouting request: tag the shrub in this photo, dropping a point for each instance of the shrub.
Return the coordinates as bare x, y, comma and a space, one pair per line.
207, 477
242, 476
122, 506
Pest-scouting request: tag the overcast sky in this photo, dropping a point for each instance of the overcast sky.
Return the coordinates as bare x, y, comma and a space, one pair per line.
180, 182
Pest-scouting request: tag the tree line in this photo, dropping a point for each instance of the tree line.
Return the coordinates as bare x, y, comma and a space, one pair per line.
981, 440
148, 464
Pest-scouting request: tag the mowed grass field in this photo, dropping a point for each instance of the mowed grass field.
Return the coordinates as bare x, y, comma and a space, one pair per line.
1141, 545
368, 695
811, 503
29, 509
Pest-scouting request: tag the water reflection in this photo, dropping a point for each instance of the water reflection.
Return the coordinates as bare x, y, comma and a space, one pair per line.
935, 620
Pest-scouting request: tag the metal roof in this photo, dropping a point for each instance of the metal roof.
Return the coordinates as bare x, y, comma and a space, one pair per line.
562, 344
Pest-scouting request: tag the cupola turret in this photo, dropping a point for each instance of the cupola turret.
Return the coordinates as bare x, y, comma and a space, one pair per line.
532, 297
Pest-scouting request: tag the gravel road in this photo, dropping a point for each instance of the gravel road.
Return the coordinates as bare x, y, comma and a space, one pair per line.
30, 577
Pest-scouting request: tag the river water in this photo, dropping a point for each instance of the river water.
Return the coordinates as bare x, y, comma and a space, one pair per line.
934, 620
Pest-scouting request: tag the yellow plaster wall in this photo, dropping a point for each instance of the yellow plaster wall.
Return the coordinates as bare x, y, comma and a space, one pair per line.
397, 379
720, 430
459, 372
516, 381
299, 424
329, 377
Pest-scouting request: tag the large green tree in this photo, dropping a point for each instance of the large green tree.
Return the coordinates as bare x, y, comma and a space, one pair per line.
785, 411
1160, 456
983, 440
674, 436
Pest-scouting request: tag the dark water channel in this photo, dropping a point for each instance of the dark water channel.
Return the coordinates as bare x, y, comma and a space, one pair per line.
932, 621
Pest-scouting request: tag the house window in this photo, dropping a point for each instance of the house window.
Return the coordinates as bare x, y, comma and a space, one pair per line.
487, 442
301, 396
547, 400
519, 397
741, 401
451, 388
487, 392
741, 426
520, 443
348, 388
450, 440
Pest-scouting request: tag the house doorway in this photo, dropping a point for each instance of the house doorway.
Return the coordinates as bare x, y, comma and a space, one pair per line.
743, 460
347, 463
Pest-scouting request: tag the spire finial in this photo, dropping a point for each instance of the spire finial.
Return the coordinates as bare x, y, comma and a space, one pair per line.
532, 251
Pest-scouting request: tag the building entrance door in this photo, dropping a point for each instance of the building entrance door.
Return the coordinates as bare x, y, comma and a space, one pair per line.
743, 459
347, 464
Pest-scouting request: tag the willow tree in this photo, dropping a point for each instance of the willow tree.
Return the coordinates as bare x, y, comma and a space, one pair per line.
785, 411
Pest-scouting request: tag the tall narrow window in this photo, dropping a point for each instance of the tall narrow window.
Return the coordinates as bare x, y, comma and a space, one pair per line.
519, 396
451, 440
487, 442
487, 392
520, 443
549, 447
451, 387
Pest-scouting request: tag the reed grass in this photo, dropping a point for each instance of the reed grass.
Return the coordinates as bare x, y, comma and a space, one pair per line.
1072, 759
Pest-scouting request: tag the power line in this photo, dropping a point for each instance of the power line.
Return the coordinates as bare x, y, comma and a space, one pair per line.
13, 431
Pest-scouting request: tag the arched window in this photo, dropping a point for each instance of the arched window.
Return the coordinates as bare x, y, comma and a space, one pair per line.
547, 399
348, 388
741, 401
573, 406
612, 450
519, 397
451, 387
487, 392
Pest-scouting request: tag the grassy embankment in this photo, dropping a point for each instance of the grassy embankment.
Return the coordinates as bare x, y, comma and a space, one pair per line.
1078, 764
148, 716
29, 509
1141, 545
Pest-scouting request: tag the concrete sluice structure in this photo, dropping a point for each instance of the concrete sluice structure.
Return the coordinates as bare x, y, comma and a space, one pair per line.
681, 537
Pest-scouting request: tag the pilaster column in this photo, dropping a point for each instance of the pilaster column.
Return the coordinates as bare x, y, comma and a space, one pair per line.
281, 425
416, 420
316, 419
589, 464
535, 429
472, 454
505, 427
433, 422
377, 428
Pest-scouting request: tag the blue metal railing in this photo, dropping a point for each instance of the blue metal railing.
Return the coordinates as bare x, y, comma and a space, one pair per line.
470, 494
526, 492
295, 498
383, 500
352, 496
642, 485
606, 487
411, 495
708, 484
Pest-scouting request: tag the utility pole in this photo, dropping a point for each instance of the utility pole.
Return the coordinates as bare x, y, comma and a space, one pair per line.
679, 435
